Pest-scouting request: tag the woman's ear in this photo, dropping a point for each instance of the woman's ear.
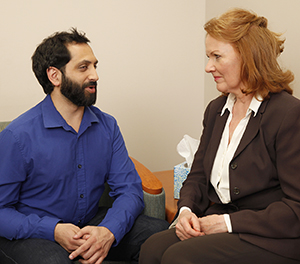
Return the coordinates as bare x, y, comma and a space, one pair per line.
54, 76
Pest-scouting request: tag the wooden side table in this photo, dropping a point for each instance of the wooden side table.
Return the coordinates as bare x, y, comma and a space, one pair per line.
167, 180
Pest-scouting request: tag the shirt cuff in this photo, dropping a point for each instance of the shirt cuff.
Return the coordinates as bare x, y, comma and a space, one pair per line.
228, 222
184, 208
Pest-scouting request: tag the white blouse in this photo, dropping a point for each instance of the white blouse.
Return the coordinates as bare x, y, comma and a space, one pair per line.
219, 177
220, 172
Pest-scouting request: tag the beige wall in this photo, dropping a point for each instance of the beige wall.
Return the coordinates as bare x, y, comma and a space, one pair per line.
152, 59
283, 17
151, 65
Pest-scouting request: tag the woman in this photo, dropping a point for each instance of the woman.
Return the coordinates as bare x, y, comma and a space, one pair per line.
241, 200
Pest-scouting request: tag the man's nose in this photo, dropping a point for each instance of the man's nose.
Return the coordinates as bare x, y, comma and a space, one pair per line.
94, 75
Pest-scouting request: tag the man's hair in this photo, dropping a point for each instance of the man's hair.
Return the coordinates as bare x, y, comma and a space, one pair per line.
53, 52
258, 47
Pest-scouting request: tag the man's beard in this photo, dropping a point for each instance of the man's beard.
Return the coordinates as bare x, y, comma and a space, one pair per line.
76, 93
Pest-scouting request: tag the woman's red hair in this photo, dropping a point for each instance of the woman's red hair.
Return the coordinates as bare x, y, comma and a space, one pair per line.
258, 47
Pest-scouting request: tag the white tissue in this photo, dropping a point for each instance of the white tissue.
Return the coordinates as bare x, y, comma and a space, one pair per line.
187, 148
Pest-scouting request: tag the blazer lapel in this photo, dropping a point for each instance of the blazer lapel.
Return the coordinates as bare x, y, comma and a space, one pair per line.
215, 139
251, 130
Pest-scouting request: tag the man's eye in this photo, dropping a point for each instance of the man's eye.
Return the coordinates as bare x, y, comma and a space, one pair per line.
83, 67
217, 56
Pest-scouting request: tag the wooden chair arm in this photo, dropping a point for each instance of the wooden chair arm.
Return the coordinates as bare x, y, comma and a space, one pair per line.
150, 183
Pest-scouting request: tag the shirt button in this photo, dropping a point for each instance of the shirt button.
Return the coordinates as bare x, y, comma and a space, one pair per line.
236, 190
79, 166
81, 195
233, 166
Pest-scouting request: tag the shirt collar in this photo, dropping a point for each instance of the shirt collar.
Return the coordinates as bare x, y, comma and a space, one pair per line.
89, 117
254, 105
52, 118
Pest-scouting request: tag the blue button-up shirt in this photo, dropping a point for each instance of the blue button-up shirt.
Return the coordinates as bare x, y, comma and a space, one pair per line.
49, 173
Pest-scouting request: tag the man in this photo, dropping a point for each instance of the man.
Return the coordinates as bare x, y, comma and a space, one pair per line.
54, 161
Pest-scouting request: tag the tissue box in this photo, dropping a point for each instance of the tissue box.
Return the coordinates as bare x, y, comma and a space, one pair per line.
180, 173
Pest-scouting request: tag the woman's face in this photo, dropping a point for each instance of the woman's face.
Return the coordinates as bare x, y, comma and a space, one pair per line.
224, 63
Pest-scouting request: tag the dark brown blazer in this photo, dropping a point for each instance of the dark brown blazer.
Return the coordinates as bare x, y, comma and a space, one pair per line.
264, 175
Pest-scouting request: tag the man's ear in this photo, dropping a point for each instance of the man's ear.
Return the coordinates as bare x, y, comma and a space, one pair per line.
54, 76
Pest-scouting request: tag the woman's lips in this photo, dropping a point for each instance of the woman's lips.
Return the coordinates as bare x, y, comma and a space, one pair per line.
216, 78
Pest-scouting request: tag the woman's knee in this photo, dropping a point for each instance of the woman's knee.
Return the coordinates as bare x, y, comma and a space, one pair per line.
148, 252
175, 254
155, 246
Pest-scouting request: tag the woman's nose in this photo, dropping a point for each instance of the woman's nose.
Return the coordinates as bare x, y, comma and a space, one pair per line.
210, 66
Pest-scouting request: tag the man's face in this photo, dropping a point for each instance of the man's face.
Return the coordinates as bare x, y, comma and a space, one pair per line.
76, 93
79, 78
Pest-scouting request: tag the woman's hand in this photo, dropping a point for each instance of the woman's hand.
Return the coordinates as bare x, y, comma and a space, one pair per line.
188, 225
213, 224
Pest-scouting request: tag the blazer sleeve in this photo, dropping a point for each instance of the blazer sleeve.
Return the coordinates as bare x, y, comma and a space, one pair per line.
194, 193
